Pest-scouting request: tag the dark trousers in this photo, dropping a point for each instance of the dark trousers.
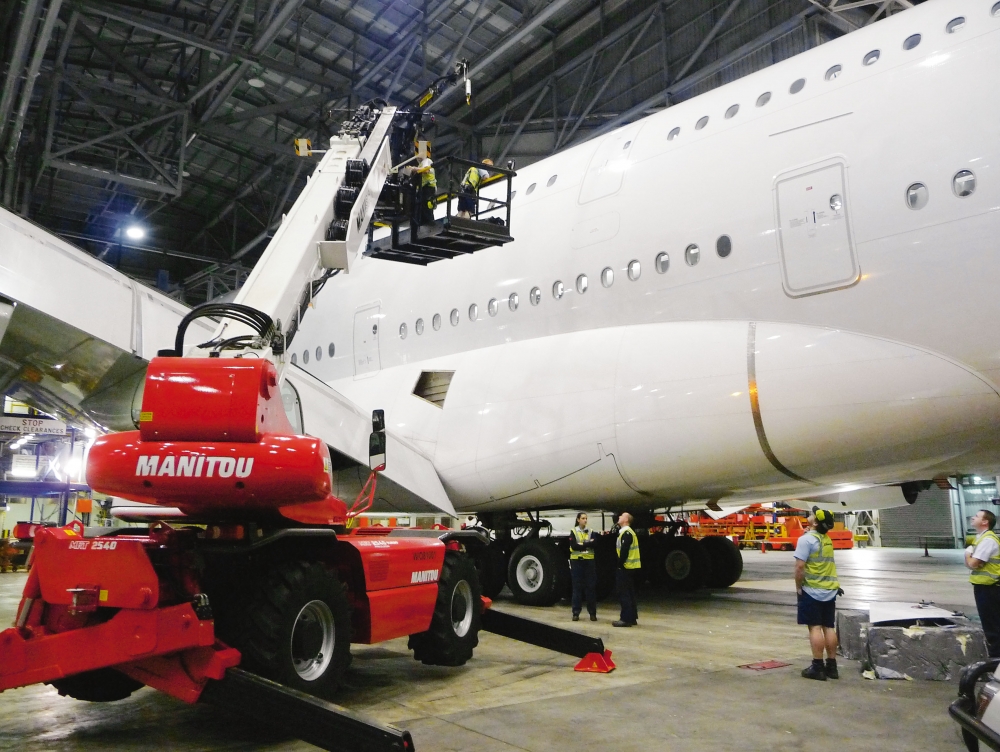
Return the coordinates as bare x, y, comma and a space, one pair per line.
425, 211
625, 583
988, 605
584, 573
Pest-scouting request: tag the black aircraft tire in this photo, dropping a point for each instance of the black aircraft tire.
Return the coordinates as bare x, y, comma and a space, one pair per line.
681, 564
491, 564
100, 685
537, 573
454, 630
297, 628
725, 559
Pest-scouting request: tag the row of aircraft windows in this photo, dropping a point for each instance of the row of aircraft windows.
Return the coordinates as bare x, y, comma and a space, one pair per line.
319, 355
833, 72
692, 255
962, 185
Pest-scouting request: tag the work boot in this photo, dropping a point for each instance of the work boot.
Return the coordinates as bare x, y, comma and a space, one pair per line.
831, 669
576, 617
593, 617
620, 623
815, 670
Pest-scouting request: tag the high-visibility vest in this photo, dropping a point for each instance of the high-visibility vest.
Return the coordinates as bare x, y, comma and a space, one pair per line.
821, 572
632, 562
989, 573
581, 536
428, 177
472, 178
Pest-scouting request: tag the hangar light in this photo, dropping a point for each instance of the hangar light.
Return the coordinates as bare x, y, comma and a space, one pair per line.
135, 232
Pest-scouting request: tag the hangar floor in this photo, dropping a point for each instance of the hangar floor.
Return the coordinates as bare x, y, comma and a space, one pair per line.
678, 684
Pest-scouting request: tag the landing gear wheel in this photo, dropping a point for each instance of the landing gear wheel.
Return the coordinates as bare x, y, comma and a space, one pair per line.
454, 630
725, 559
100, 685
491, 565
680, 564
537, 573
297, 630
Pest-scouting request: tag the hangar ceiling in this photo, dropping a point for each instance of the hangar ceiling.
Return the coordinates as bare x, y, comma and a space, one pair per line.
178, 116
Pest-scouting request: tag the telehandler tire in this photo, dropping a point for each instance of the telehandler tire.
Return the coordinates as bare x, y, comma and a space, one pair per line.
454, 630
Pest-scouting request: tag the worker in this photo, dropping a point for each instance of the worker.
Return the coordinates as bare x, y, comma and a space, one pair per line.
427, 190
468, 199
983, 558
583, 568
817, 587
628, 570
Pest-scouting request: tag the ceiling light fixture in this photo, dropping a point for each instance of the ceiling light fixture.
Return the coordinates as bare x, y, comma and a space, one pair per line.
257, 83
135, 232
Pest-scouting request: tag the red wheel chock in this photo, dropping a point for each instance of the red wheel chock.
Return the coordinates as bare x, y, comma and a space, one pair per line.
596, 663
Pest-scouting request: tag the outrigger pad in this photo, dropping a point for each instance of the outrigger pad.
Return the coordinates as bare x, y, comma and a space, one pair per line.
596, 663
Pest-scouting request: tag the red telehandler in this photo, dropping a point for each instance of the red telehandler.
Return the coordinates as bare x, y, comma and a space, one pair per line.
246, 585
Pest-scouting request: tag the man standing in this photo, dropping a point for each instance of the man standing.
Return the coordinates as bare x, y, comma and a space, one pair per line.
467, 199
817, 587
583, 568
628, 569
983, 558
427, 190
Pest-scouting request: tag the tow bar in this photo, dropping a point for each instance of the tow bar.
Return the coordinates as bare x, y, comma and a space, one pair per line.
303, 716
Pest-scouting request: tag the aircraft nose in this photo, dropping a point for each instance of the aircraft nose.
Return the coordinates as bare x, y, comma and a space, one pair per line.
831, 403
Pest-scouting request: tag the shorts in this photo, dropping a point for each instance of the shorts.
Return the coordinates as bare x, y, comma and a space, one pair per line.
814, 613
467, 202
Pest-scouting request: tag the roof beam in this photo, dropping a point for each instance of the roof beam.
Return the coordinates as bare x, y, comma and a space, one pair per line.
19, 57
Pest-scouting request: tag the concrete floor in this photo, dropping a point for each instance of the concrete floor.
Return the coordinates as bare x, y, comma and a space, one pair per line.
677, 686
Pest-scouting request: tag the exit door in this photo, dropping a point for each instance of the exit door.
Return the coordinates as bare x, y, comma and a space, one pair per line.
815, 242
366, 326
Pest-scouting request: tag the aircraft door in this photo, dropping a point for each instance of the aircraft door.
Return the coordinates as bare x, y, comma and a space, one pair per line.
608, 165
366, 326
815, 242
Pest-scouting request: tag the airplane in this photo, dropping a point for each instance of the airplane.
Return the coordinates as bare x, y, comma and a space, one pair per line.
767, 292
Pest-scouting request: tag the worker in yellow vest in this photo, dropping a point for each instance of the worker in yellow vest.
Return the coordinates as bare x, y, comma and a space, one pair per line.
983, 558
582, 567
817, 587
467, 200
628, 570
427, 191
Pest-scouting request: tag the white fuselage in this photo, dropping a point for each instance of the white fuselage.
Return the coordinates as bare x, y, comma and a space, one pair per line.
847, 338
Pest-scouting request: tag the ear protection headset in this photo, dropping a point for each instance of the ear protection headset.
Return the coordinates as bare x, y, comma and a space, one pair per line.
824, 519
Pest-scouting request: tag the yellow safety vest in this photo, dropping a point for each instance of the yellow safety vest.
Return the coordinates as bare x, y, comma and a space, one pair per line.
821, 572
428, 177
473, 178
632, 562
582, 536
989, 574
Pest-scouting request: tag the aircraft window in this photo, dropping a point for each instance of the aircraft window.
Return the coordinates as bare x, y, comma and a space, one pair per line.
763, 99
662, 263
493, 306
964, 183
797, 86
402, 331
582, 283
436, 321
957, 23
607, 276
911, 41
454, 317
724, 246
833, 72
512, 194
531, 189
558, 290
419, 327
836, 202
702, 122
535, 296
731, 112
331, 349
319, 354
551, 182
295, 359
473, 312
305, 357
917, 196
673, 134
872, 57
627, 144
995, 10
692, 254
634, 269
512, 301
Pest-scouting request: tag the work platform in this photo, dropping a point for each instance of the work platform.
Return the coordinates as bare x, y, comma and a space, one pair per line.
446, 238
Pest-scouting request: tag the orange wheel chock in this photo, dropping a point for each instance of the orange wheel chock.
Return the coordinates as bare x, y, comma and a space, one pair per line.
596, 663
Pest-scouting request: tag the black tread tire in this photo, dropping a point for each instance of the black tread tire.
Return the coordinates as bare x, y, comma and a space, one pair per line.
725, 559
441, 645
491, 564
554, 570
266, 628
100, 685
679, 564
607, 562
